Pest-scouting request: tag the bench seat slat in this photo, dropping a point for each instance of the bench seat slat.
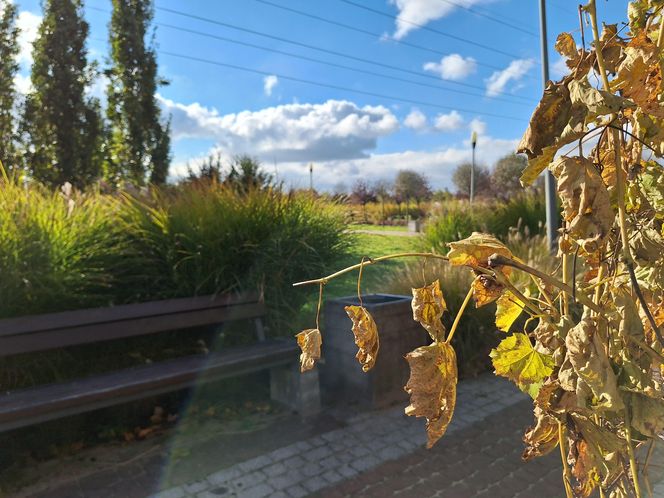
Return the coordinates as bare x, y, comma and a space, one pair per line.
92, 316
42, 403
23, 340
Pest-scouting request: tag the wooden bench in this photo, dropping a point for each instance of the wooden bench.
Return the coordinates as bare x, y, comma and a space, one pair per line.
56, 330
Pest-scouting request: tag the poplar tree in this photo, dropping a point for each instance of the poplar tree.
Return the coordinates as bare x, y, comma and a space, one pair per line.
8, 69
62, 126
139, 142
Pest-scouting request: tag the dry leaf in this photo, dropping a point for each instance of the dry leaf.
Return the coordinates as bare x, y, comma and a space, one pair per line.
542, 438
432, 387
485, 290
366, 336
585, 201
585, 351
476, 249
428, 307
566, 46
310, 342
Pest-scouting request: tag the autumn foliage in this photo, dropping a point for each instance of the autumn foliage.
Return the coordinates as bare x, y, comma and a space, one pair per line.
586, 341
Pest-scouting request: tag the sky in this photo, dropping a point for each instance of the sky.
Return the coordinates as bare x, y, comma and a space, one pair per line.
358, 88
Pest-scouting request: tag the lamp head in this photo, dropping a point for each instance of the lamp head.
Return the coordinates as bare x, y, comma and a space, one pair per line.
473, 139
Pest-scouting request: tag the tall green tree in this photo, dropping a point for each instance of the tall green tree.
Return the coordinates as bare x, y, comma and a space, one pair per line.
8, 68
62, 126
139, 141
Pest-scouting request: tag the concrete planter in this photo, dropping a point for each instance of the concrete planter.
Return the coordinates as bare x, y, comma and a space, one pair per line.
414, 226
342, 378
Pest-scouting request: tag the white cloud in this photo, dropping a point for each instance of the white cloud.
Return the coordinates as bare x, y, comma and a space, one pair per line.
448, 122
452, 67
28, 23
416, 120
559, 69
293, 132
422, 12
517, 69
23, 84
478, 126
269, 82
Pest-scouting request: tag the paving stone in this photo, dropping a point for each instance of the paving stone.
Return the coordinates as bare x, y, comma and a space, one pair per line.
332, 476
286, 480
260, 491
296, 492
224, 475
248, 480
196, 487
315, 483
275, 469
177, 492
286, 452
255, 463
365, 463
317, 454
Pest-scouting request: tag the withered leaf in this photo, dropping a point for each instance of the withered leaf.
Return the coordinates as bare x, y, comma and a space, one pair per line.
476, 249
366, 336
516, 359
432, 387
541, 438
639, 75
310, 342
485, 290
428, 307
585, 351
585, 200
566, 46
647, 414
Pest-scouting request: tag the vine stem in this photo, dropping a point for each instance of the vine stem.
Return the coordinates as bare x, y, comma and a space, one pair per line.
563, 457
630, 452
620, 187
499, 260
371, 261
457, 319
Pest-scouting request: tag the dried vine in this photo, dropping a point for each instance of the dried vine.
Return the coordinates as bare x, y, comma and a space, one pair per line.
593, 361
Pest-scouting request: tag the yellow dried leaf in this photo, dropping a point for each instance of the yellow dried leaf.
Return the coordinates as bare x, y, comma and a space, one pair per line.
432, 387
476, 249
485, 290
542, 438
586, 353
639, 75
428, 307
310, 342
508, 309
585, 201
566, 46
366, 336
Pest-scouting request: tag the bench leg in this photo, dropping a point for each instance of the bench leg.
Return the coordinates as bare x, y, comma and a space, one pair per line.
300, 391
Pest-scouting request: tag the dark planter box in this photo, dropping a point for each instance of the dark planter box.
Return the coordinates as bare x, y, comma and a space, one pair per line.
342, 378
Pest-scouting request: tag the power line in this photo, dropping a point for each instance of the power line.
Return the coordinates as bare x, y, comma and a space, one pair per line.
490, 17
338, 87
332, 52
432, 30
333, 64
367, 32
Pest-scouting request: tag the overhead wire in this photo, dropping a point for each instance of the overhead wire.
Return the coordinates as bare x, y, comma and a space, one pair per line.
332, 52
339, 87
373, 34
490, 17
430, 29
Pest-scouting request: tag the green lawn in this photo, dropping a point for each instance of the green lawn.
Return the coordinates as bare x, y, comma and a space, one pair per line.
378, 228
374, 277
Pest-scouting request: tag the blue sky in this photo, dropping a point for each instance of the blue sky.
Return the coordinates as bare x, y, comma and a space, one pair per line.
346, 134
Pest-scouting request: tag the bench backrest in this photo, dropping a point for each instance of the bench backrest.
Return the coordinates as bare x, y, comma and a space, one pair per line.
53, 330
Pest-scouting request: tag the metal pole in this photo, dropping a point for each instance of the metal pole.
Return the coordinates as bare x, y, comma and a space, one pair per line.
549, 181
473, 142
311, 177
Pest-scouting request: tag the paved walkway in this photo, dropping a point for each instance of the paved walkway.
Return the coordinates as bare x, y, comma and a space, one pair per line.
372, 454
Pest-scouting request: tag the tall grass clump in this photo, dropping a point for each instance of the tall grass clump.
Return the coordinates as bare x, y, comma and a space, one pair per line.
211, 239
58, 251
454, 220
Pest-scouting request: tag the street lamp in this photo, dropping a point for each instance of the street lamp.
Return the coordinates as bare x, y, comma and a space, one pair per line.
311, 177
473, 141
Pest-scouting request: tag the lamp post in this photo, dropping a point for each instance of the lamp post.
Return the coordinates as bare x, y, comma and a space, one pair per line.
311, 177
549, 181
473, 142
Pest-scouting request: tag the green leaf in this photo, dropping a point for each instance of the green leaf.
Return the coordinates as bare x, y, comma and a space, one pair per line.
516, 359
